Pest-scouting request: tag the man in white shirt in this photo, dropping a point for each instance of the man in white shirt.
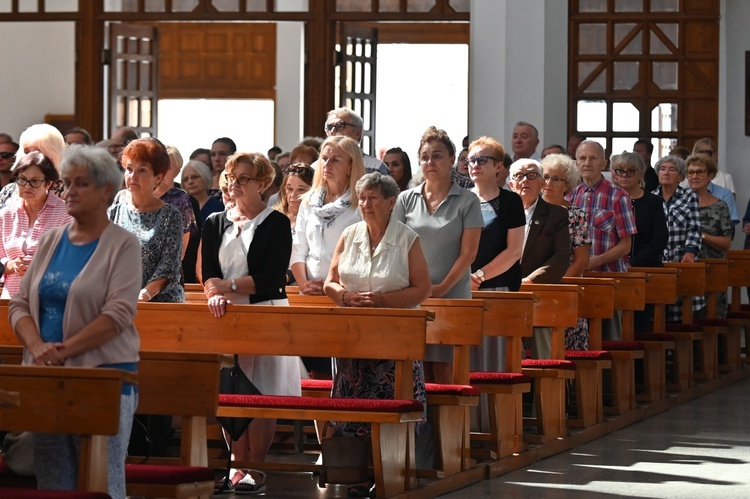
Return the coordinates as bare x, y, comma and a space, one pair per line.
344, 121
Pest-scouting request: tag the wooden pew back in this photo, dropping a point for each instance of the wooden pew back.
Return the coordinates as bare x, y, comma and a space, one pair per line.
739, 276
691, 281
595, 302
629, 296
556, 308
661, 290
509, 314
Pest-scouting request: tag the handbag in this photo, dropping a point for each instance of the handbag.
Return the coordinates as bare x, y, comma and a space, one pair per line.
233, 381
17, 451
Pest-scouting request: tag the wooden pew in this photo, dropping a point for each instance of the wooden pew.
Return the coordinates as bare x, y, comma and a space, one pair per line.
629, 296
556, 308
725, 350
83, 401
184, 385
342, 332
739, 278
595, 302
457, 323
660, 292
511, 315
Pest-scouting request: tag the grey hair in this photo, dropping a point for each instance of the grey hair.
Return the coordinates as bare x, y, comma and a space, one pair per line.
565, 163
376, 180
526, 123
675, 160
526, 162
628, 159
353, 117
101, 166
201, 168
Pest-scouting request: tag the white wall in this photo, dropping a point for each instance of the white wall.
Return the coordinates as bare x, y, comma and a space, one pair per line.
518, 68
40, 78
290, 84
734, 146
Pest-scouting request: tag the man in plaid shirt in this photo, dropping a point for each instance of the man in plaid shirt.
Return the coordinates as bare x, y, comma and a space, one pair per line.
609, 208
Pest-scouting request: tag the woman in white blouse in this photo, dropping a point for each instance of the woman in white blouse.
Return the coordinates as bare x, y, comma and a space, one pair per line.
325, 212
377, 263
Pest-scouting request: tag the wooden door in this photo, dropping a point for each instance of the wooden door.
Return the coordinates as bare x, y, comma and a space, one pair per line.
357, 77
133, 78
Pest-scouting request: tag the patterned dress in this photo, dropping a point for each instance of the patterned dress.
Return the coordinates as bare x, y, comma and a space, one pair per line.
716, 221
577, 338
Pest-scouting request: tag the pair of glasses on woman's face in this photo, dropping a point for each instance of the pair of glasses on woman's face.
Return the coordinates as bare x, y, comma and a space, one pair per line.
33, 182
242, 179
300, 169
479, 160
7, 155
630, 172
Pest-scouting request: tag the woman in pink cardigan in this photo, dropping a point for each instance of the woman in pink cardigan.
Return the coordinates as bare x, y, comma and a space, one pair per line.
76, 305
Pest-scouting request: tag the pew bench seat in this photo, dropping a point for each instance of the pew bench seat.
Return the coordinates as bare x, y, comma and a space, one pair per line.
156, 480
504, 392
550, 377
20, 493
589, 389
392, 427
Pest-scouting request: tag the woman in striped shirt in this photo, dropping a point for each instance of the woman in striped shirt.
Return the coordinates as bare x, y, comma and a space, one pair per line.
33, 212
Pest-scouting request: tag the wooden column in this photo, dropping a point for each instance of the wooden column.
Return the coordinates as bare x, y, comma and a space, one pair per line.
89, 75
320, 41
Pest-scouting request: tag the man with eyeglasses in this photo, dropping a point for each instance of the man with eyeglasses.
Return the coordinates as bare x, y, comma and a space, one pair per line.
8, 152
344, 121
117, 142
546, 244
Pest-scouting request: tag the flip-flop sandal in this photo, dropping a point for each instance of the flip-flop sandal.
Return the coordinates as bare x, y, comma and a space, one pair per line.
223, 486
360, 490
248, 485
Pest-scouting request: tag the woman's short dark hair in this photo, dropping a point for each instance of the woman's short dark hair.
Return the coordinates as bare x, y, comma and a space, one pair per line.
35, 158
148, 150
433, 134
229, 142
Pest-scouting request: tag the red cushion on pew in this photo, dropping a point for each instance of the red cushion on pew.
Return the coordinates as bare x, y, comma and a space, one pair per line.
317, 384
676, 327
705, 321
275, 401
480, 378
445, 389
51, 494
166, 474
587, 355
548, 363
654, 337
622, 345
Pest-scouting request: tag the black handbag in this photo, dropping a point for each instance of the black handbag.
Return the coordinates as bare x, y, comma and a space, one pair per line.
233, 381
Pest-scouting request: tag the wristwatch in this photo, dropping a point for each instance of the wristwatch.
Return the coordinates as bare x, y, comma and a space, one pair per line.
233, 285
480, 275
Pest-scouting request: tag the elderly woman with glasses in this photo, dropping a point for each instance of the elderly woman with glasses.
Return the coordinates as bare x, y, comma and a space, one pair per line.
196, 179
560, 177
245, 253
449, 222
682, 211
26, 218
716, 223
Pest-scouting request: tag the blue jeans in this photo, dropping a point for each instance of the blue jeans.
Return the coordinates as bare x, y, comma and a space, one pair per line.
56, 455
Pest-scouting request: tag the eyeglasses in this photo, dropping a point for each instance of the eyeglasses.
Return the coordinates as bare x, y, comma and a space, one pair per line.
300, 169
696, 173
330, 127
34, 182
480, 160
242, 179
518, 177
7, 155
555, 179
437, 156
630, 172
707, 152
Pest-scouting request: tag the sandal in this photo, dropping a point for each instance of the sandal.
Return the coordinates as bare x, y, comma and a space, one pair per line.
248, 485
223, 486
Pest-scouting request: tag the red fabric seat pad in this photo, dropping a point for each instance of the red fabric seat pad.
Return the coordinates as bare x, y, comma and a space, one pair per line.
317, 384
446, 389
622, 345
275, 401
495, 378
587, 355
548, 363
